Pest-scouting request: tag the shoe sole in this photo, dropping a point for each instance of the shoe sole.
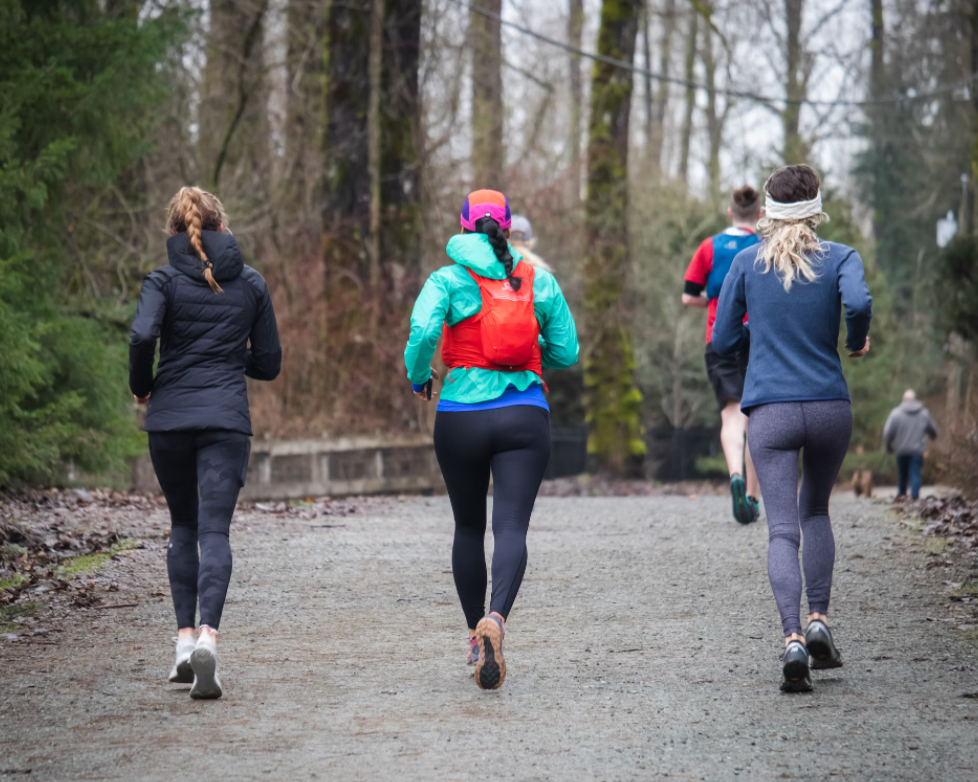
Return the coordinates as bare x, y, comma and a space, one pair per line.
490, 668
796, 677
821, 649
741, 508
184, 673
206, 684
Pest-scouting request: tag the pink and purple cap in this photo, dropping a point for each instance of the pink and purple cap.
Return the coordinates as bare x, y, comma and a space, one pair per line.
486, 203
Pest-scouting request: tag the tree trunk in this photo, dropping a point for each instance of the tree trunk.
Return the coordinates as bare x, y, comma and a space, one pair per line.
346, 186
488, 158
875, 115
401, 150
233, 110
974, 143
612, 401
575, 26
375, 60
647, 81
690, 73
795, 150
657, 141
714, 122
303, 106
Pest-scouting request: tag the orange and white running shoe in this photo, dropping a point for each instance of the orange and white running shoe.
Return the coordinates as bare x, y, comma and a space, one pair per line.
490, 668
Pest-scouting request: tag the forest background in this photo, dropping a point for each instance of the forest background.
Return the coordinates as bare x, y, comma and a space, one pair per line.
343, 137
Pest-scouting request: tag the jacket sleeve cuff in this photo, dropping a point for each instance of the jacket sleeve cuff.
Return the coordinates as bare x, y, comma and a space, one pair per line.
418, 387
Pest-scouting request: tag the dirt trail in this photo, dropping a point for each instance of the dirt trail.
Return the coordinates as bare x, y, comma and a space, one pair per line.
343, 657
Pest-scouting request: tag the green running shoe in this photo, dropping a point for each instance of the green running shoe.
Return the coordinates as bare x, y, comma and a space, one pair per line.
741, 507
755, 508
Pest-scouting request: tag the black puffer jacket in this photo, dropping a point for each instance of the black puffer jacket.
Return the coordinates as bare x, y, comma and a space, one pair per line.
204, 352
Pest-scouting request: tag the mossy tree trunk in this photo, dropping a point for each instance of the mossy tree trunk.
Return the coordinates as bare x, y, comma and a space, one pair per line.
488, 158
612, 401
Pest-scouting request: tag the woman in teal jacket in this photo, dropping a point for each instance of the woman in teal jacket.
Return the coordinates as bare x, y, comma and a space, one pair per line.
493, 418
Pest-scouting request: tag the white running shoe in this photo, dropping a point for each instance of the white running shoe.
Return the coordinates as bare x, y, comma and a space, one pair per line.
207, 682
182, 673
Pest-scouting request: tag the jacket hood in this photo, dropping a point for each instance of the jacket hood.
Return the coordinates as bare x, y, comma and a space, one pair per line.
912, 406
221, 249
474, 252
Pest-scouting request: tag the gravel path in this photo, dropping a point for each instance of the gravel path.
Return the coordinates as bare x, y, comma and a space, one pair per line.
343, 658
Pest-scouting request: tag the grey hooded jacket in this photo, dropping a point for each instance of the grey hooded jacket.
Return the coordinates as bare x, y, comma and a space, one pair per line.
907, 429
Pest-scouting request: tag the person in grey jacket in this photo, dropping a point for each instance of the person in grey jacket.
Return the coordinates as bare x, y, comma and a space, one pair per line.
905, 434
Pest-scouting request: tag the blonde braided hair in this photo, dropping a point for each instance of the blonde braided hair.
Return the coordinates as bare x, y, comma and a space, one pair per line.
194, 210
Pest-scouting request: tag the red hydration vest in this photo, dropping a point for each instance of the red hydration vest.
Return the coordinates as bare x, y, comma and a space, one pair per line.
504, 334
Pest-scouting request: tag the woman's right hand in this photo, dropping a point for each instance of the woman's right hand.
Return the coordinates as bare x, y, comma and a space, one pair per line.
421, 394
860, 353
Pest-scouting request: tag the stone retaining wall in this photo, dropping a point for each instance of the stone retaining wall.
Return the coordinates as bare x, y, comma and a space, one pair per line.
291, 469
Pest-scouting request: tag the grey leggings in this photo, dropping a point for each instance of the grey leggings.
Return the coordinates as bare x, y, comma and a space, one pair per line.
777, 432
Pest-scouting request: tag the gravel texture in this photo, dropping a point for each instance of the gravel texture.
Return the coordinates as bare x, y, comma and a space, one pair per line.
644, 644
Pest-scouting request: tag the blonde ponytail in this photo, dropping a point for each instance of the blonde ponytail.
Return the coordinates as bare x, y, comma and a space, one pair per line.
194, 210
791, 247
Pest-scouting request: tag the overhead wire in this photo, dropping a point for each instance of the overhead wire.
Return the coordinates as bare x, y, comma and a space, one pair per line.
940, 90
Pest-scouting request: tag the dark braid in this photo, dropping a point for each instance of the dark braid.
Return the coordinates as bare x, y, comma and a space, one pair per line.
489, 227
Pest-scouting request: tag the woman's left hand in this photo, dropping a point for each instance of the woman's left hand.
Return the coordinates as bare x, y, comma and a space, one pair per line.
860, 353
141, 400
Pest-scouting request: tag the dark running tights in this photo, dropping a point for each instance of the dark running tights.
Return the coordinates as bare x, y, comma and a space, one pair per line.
821, 432
201, 473
513, 443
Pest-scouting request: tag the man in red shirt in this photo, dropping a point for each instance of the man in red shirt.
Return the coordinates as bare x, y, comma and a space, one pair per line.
703, 282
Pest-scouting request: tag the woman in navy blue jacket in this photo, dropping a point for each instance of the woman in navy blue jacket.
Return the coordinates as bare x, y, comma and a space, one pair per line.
795, 287
215, 323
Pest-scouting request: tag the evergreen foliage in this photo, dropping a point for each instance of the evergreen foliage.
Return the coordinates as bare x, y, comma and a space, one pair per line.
78, 85
956, 288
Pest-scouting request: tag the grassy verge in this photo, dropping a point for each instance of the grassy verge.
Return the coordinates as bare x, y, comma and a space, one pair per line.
14, 581
7, 613
88, 563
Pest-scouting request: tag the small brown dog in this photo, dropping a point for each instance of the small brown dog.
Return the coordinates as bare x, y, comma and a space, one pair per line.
862, 483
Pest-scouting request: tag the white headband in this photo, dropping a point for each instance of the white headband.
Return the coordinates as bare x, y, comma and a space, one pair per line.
798, 210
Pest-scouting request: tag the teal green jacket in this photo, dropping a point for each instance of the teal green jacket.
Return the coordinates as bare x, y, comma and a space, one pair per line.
451, 295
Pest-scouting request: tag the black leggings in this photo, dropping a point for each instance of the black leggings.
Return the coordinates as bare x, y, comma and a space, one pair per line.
514, 444
216, 462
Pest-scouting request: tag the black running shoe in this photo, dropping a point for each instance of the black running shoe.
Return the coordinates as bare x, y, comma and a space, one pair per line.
821, 647
741, 507
795, 676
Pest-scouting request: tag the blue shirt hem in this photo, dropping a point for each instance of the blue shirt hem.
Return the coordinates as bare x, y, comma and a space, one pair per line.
511, 397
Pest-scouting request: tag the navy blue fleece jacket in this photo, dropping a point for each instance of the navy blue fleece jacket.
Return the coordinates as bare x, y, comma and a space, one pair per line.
794, 335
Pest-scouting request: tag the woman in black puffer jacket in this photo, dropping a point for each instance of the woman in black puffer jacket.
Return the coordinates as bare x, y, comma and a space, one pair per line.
215, 323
